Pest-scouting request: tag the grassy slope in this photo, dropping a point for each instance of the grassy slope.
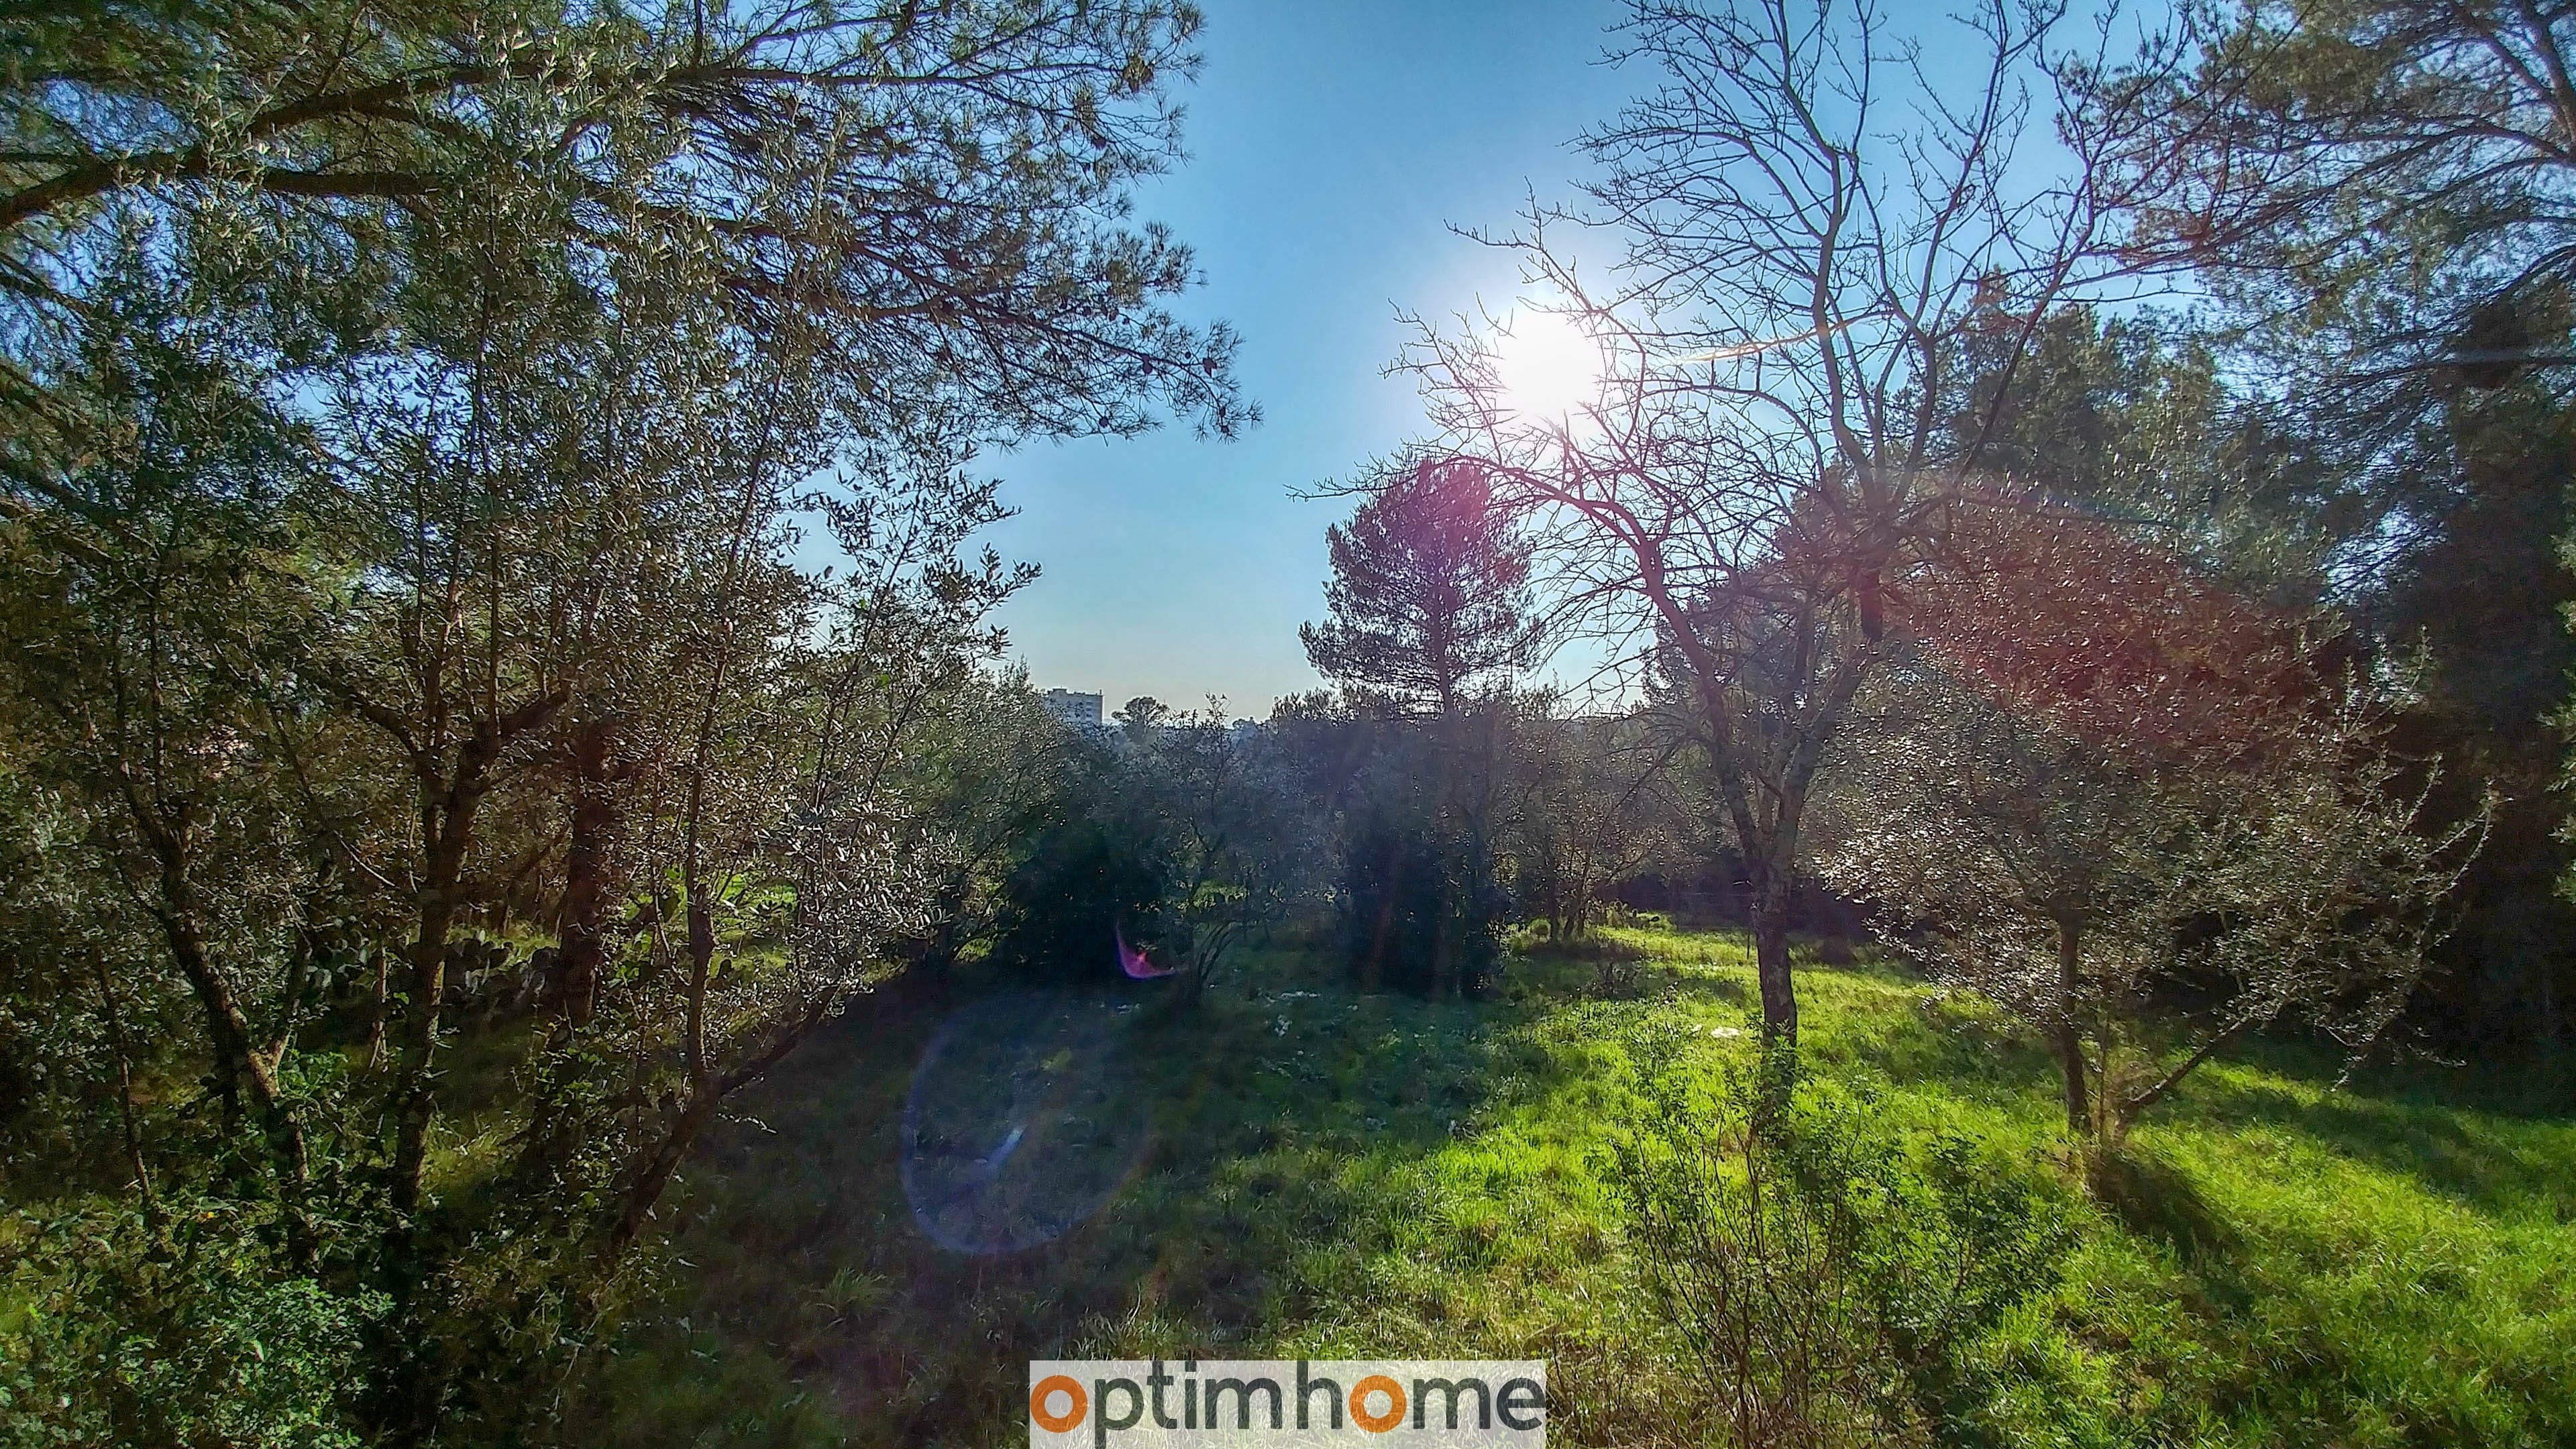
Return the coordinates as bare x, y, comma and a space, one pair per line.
2285, 1264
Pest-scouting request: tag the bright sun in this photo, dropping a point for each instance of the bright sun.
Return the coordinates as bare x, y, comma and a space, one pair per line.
1548, 368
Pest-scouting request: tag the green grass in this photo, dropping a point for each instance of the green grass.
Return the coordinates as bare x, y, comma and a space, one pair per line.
1326, 1174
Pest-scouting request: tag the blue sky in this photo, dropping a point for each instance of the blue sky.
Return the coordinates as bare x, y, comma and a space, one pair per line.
1332, 143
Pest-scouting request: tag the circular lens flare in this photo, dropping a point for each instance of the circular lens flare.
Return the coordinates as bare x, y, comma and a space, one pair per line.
1027, 1115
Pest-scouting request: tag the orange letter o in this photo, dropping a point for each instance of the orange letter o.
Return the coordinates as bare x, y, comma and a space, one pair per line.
1377, 1384
1050, 1387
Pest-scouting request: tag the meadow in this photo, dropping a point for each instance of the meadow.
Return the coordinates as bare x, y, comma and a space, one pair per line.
2275, 1259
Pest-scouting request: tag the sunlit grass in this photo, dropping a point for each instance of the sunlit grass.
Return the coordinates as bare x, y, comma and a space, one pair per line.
2277, 1263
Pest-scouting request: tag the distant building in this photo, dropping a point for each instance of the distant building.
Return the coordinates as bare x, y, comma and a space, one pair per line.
1074, 709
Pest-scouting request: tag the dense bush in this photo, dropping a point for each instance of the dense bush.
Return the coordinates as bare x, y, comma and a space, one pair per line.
1410, 808
1083, 880
173, 1325
1416, 912
1179, 834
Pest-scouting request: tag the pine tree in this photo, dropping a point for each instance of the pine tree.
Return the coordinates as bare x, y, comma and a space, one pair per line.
1430, 590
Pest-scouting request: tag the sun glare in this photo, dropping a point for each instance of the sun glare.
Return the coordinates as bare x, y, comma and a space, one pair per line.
1548, 367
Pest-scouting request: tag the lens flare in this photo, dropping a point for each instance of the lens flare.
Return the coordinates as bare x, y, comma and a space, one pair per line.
1135, 963
1026, 1116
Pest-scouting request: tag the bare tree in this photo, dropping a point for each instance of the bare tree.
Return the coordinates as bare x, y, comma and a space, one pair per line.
1813, 225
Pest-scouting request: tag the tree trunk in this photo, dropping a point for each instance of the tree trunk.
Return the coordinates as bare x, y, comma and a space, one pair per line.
125, 1095
383, 1005
412, 1385
1771, 954
2069, 1045
573, 992
414, 1105
450, 800
412, 1382
2125, 1114
652, 1177
237, 1059
229, 1033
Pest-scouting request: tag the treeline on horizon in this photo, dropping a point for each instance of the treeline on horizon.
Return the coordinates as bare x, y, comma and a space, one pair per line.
2096, 512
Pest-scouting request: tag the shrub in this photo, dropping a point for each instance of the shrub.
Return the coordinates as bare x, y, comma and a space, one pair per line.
1827, 1285
120, 1331
1417, 913
1085, 880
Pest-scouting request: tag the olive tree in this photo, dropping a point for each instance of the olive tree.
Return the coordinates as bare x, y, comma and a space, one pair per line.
1238, 850
1586, 801
550, 328
2140, 815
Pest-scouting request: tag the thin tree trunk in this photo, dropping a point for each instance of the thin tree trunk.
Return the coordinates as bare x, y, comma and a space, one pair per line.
413, 1387
383, 1006
226, 1029
573, 992
652, 1177
125, 1095
2131, 1109
449, 804
414, 1100
652, 1174
237, 1060
2068, 1042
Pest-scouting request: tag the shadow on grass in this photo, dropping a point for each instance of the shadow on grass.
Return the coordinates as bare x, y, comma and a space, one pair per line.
1611, 968
1863, 1010
2154, 1199
1282, 1125
1299, 1188
2494, 1163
